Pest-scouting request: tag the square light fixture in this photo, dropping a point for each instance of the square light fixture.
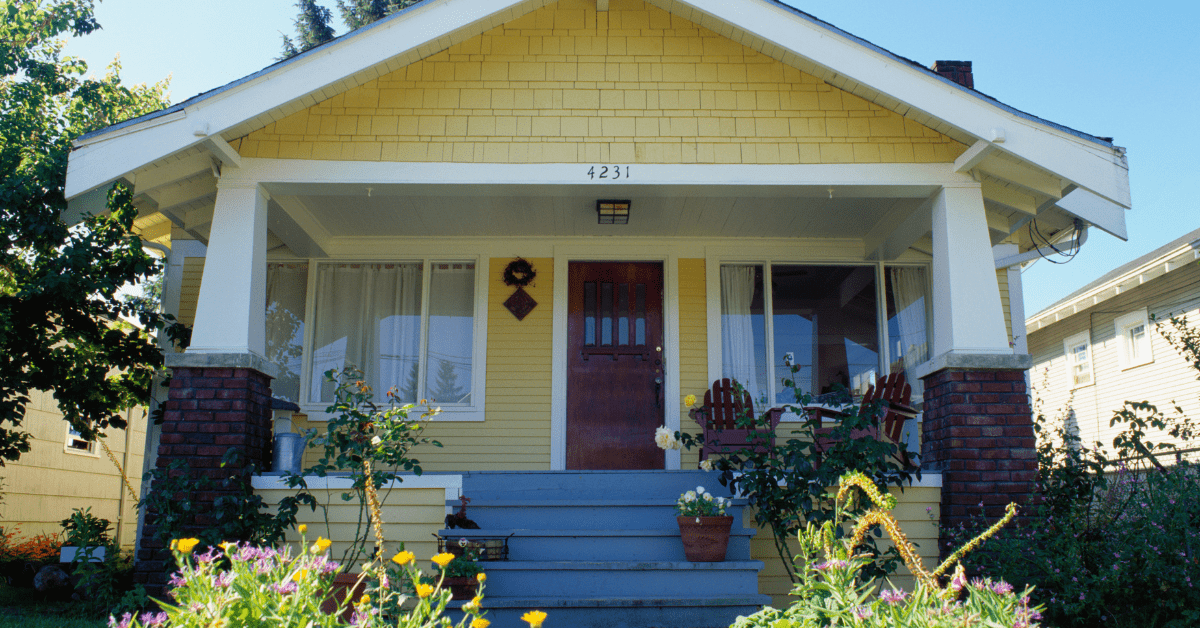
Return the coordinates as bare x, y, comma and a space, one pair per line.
610, 212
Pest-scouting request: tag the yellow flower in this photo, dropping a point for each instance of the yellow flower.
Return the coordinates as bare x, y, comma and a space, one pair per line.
321, 545
174, 542
534, 618
480, 622
424, 590
366, 599
403, 558
481, 576
443, 559
689, 400
228, 546
477, 600
187, 545
300, 575
302, 528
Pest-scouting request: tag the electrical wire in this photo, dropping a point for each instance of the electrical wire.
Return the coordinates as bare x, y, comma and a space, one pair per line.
1035, 233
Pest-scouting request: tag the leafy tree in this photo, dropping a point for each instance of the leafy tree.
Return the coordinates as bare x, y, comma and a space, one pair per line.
312, 29
59, 312
359, 13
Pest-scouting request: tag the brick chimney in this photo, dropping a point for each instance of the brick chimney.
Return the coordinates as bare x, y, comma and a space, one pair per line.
957, 71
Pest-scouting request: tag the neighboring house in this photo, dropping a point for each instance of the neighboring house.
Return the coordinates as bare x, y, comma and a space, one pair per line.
1100, 346
705, 188
62, 472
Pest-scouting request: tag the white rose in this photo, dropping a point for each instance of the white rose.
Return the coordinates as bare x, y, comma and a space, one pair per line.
706, 465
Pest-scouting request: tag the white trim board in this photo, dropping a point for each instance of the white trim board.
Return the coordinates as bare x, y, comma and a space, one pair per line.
452, 483
563, 255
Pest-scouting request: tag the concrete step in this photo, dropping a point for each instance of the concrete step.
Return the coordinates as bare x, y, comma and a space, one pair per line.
606, 544
712, 611
620, 579
581, 513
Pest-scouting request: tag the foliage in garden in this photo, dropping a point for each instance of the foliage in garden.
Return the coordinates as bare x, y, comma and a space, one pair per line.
1115, 535
833, 592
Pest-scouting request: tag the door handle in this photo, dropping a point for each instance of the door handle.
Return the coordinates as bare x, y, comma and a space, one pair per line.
658, 393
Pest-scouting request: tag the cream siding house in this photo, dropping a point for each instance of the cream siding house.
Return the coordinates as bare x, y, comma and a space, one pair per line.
796, 196
1100, 347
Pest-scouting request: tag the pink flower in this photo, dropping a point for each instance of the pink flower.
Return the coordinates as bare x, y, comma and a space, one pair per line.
152, 619
893, 596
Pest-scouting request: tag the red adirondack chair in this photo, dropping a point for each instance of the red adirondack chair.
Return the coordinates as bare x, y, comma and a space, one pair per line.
719, 419
894, 397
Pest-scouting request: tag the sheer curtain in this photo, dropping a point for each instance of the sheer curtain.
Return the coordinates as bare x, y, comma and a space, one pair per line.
737, 327
287, 292
368, 316
451, 333
908, 291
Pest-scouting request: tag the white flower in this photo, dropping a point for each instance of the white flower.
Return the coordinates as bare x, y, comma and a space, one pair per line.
700, 490
376, 441
689, 496
706, 465
666, 439
708, 497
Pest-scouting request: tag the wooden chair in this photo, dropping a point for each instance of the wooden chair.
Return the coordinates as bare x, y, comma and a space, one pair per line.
894, 397
719, 419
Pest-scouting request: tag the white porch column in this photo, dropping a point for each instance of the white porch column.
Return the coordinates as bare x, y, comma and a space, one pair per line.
968, 317
230, 316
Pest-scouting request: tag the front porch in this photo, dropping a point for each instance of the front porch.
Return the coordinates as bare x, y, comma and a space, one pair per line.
593, 548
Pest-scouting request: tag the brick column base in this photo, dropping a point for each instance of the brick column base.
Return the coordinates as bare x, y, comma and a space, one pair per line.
978, 431
209, 410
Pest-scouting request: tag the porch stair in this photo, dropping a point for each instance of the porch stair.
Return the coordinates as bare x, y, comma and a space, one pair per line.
601, 549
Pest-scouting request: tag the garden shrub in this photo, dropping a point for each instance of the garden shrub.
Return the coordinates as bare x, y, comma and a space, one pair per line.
1114, 538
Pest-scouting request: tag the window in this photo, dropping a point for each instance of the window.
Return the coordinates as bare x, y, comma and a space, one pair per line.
76, 444
821, 320
1078, 349
410, 326
1133, 339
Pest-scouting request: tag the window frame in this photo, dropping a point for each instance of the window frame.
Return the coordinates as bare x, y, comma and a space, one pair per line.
476, 410
1122, 326
72, 437
714, 260
1085, 338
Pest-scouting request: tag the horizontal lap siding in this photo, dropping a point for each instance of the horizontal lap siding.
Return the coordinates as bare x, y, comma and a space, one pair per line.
47, 483
1167, 380
916, 522
693, 344
410, 516
568, 84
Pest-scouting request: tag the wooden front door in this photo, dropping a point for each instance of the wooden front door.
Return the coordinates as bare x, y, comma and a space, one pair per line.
614, 365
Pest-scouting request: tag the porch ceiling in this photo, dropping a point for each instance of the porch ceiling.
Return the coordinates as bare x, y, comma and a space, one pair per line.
346, 210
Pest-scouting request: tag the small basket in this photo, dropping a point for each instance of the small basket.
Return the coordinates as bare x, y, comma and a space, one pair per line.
489, 548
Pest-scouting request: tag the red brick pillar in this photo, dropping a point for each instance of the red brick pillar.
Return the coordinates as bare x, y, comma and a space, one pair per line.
209, 410
979, 434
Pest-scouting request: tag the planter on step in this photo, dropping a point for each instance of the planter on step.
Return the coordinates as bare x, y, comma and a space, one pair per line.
343, 584
461, 587
705, 539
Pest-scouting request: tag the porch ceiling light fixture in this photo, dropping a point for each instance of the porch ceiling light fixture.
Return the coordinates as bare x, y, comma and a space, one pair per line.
611, 212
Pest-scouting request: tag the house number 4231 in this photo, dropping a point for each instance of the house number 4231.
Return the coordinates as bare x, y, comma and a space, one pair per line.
608, 172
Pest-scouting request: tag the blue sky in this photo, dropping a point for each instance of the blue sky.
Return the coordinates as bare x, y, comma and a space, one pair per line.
1115, 69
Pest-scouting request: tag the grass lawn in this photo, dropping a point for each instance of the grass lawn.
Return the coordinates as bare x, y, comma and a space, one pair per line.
24, 608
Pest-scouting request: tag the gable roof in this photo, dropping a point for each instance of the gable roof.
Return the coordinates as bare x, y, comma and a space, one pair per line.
1166, 258
1017, 149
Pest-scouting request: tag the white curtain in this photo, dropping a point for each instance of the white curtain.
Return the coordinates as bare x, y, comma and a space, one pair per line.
287, 291
737, 327
368, 316
908, 290
451, 333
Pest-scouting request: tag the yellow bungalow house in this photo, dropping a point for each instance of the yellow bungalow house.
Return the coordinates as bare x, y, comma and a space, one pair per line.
704, 189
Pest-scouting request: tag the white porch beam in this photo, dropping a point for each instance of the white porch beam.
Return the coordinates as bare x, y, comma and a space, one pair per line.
1023, 176
224, 152
230, 315
297, 239
1010, 198
1096, 210
898, 231
968, 316
973, 156
184, 193
148, 179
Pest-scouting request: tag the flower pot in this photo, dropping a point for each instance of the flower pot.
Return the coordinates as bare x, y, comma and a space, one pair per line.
705, 539
343, 584
461, 587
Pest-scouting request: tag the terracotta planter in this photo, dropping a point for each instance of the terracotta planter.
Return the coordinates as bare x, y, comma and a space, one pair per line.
705, 539
461, 587
343, 584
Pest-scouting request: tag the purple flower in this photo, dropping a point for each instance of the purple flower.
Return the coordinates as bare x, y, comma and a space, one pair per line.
247, 552
383, 581
834, 563
223, 580
958, 582
863, 612
177, 580
153, 619
1002, 588
126, 619
207, 557
893, 596
285, 588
